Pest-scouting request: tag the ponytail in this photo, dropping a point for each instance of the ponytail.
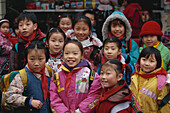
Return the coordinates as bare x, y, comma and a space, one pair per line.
127, 73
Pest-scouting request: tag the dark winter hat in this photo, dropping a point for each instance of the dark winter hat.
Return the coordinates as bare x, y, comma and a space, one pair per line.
151, 28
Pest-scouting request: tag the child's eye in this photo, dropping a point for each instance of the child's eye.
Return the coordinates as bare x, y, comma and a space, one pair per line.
60, 41
75, 53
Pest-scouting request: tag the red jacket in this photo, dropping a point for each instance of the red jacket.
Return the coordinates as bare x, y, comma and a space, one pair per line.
117, 99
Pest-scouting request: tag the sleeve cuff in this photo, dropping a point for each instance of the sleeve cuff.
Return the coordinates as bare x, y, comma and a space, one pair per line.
27, 101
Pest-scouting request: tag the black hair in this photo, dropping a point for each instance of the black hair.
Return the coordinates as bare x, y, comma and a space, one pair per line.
27, 15
54, 30
39, 44
113, 39
65, 15
117, 63
116, 22
5, 21
89, 12
76, 42
148, 51
83, 19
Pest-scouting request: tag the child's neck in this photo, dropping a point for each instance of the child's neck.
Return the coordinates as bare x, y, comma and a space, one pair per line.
30, 38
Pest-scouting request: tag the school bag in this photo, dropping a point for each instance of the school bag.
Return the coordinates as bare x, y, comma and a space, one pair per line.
7, 79
139, 17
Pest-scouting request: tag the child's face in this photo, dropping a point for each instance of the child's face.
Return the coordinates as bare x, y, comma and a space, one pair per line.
148, 65
17, 31
117, 30
81, 31
4, 28
72, 54
36, 59
111, 51
26, 27
65, 24
150, 40
56, 43
109, 77
91, 17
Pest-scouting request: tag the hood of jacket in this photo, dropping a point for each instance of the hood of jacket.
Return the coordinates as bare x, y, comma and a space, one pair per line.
113, 16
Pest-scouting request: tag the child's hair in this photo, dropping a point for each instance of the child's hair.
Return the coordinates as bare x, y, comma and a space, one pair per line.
55, 30
3, 20
113, 39
147, 51
65, 15
76, 42
90, 12
119, 67
83, 19
116, 22
37, 44
27, 15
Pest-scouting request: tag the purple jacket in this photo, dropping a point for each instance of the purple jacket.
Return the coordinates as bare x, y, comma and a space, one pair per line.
79, 95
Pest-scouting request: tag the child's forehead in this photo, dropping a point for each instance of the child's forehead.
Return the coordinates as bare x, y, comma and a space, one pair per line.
109, 66
150, 56
25, 19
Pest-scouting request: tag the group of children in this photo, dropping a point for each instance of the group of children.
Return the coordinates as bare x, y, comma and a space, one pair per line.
70, 70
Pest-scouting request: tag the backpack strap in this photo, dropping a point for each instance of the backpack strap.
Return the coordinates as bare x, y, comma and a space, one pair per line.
165, 100
92, 76
23, 75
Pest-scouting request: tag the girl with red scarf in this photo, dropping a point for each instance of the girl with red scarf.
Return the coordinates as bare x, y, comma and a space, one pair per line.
34, 97
116, 96
28, 31
148, 84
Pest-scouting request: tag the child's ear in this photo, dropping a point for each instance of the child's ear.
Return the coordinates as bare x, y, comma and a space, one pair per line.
35, 26
120, 51
119, 77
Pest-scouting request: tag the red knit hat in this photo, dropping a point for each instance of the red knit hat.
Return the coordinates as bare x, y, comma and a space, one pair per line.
151, 28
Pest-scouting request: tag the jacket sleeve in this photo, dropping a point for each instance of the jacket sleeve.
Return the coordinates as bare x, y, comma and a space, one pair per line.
56, 101
14, 93
134, 52
88, 105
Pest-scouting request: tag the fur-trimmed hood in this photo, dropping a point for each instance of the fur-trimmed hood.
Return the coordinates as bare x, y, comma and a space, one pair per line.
113, 16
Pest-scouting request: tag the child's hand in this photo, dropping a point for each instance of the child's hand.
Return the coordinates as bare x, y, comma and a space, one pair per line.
36, 104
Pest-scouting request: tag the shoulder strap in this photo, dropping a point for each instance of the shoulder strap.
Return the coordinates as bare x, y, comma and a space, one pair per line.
91, 77
165, 100
23, 75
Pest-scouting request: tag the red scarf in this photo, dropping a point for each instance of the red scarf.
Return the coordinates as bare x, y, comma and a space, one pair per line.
44, 82
56, 55
159, 71
121, 37
104, 59
68, 79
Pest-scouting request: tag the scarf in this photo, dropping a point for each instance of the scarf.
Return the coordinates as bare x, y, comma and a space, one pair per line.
56, 55
120, 38
44, 82
155, 45
159, 71
104, 59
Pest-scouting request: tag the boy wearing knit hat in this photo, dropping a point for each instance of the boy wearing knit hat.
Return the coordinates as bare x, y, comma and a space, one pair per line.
151, 36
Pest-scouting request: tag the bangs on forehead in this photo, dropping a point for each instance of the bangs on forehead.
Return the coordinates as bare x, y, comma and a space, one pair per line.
150, 55
116, 22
